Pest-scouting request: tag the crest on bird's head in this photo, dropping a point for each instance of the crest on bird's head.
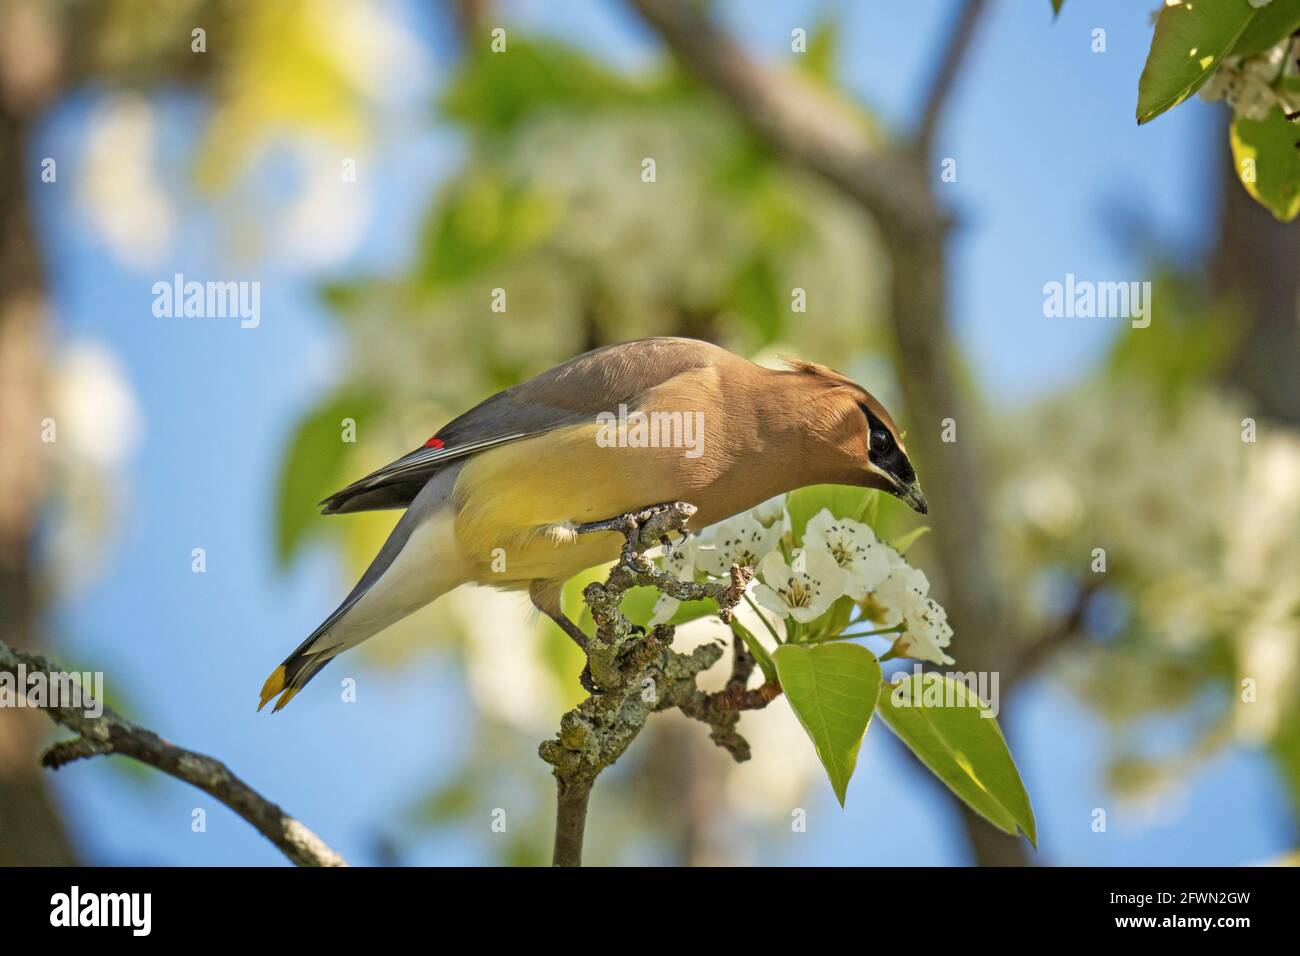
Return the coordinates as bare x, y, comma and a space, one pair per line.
833, 377
886, 459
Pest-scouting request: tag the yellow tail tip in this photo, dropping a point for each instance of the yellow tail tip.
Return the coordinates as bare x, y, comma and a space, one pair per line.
288, 696
274, 685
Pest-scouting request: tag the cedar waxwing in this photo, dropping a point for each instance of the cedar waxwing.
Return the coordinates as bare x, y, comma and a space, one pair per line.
496, 497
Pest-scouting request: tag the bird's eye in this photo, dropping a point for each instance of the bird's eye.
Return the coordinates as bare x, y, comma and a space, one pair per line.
879, 441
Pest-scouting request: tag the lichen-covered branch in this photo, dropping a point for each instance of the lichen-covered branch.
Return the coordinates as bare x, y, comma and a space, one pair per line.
637, 673
111, 733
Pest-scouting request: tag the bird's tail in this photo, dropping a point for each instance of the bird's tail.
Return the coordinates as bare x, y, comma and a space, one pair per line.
292, 676
419, 561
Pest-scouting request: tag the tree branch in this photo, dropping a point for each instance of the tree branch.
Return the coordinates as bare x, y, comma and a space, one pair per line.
796, 118
637, 674
955, 48
111, 733
1035, 653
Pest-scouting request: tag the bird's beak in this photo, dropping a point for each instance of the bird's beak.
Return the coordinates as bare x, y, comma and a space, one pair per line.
914, 496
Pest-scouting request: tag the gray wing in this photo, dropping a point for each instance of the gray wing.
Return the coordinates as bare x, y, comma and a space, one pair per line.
568, 394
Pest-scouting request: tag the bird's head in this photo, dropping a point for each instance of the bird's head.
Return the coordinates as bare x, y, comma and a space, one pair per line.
859, 432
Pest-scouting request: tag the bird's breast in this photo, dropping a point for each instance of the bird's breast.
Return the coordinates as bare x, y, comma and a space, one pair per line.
517, 505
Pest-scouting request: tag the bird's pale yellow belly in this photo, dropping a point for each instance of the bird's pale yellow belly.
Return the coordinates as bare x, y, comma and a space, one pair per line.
516, 505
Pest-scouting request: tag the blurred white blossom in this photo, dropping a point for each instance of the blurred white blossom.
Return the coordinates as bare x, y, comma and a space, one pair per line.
97, 427
119, 186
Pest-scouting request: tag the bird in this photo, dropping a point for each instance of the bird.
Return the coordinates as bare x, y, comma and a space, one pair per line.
498, 495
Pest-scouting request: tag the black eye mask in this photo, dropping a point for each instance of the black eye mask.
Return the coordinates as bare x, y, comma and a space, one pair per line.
890, 458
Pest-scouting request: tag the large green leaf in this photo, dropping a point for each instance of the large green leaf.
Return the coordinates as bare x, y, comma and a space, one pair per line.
1191, 39
1269, 26
312, 469
1267, 161
843, 501
961, 747
832, 689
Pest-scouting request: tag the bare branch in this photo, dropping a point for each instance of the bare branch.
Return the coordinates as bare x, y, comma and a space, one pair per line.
1033, 654
796, 118
111, 733
951, 60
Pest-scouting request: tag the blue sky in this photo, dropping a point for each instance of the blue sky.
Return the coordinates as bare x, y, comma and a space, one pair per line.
1048, 157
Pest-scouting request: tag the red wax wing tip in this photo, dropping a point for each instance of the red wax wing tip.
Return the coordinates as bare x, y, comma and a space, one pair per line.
434, 442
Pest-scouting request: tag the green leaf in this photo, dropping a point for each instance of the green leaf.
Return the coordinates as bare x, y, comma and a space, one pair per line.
843, 501
312, 469
832, 689
1190, 41
837, 617
757, 296
905, 541
1269, 27
1056, 7
1267, 161
479, 222
639, 605
940, 721
756, 649
493, 92
821, 59
1198, 338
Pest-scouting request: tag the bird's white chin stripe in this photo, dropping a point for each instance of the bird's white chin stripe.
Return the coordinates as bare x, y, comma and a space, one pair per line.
893, 482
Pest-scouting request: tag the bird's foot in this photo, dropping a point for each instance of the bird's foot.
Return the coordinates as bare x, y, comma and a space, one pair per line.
588, 682
659, 519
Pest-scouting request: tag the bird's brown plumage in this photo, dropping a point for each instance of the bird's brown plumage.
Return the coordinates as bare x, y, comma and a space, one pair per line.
536, 460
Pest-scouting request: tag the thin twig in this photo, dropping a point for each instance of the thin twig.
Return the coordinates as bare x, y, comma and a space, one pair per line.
111, 733
951, 59
1069, 627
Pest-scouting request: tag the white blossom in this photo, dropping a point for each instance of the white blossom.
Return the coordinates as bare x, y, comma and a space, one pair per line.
770, 512
680, 563
866, 562
803, 594
740, 540
928, 632
903, 594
